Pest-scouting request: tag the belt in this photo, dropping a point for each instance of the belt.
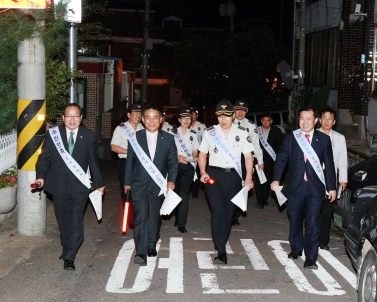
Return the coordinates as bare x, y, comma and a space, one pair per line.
223, 169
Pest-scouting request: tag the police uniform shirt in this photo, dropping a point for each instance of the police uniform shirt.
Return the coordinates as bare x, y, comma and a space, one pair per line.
191, 141
250, 128
120, 137
167, 127
238, 141
199, 129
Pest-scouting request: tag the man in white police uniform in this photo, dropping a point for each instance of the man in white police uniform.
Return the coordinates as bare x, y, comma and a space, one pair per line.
199, 129
224, 143
165, 125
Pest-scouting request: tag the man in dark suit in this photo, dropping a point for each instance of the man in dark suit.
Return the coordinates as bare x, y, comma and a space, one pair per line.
69, 193
160, 147
307, 183
270, 139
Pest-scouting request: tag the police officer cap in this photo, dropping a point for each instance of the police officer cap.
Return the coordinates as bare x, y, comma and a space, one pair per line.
134, 108
224, 107
241, 104
185, 112
194, 110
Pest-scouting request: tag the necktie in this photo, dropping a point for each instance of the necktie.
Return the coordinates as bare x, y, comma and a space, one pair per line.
239, 124
307, 137
71, 143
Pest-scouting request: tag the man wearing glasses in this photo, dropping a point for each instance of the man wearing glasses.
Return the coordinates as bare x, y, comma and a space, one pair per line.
67, 149
339, 148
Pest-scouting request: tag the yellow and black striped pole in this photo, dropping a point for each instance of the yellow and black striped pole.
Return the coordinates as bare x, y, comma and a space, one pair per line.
31, 131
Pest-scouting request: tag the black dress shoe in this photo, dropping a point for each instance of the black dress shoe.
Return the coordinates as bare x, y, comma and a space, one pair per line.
310, 265
235, 222
293, 255
140, 259
324, 247
221, 259
69, 265
152, 253
61, 257
259, 205
266, 203
182, 229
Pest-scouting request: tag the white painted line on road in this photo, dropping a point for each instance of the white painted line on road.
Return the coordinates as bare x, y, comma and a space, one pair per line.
174, 264
211, 286
333, 288
255, 257
119, 271
339, 267
204, 239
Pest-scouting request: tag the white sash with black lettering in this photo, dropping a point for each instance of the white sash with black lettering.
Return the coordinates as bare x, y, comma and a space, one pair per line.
225, 149
148, 165
181, 141
265, 144
68, 159
310, 154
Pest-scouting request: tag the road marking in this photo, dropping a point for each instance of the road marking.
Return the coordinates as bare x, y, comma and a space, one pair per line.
174, 264
339, 267
333, 287
211, 286
255, 257
115, 284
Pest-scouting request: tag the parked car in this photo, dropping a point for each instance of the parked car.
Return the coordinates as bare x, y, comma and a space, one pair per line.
357, 209
279, 117
359, 176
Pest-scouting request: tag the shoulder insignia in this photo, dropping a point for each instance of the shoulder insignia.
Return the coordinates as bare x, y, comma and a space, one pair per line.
250, 122
192, 131
242, 128
210, 128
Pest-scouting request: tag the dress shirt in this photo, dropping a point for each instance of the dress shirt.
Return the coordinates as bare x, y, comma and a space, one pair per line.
152, 141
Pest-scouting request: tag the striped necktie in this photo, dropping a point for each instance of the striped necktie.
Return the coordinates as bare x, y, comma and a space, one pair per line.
71, 143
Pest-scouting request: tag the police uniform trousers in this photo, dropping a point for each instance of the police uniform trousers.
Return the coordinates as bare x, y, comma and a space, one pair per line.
182, 188
121, 173
219, 195
325, 221
69, 210
195, 187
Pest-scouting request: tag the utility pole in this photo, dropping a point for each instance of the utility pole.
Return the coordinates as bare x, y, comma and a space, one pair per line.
31, 129
72, 61
144, 66
301, 49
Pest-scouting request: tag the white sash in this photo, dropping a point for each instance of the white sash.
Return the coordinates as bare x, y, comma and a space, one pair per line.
181, 141
148, 165
68, 159
310, 154
265, 144
226, 150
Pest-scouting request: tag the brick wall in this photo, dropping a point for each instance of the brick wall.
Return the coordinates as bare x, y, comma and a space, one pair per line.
106, 125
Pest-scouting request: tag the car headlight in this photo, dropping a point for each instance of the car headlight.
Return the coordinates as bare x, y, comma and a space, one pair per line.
357, 193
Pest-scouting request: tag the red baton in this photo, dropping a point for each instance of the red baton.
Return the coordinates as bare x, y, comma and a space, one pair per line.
209, 181
125, 214
35, 185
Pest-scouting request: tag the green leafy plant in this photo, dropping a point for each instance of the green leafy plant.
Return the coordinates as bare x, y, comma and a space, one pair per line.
9, 178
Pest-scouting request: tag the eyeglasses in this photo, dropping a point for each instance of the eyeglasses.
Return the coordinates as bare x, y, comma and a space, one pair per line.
72, 116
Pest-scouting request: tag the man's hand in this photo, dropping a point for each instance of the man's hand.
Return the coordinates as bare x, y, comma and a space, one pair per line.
126, 188
204, 176
261, 167
41, 181
332, 195
249, 183
182, 159
274, 184
102, 190
343, 185
170, 186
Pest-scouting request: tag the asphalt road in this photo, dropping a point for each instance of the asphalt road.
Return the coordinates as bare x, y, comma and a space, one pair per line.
258, 268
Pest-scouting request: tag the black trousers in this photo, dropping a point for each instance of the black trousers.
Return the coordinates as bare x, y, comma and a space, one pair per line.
121, 173
69, 210
195, 187
262, 191
183, 183
325, 221
219, 195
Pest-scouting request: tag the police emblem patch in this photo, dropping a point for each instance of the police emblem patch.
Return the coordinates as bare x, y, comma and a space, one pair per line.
255, 130
168, 129
237, 138
199, 128
248, 139
191, 138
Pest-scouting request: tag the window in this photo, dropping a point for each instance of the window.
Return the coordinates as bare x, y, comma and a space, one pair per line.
81, 95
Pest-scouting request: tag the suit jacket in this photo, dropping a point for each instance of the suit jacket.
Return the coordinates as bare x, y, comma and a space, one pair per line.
275, 138
51, 167
290, 153
339, 148
165, 159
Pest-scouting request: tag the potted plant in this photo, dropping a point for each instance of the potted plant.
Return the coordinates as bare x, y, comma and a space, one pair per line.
8, 190
355, 112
